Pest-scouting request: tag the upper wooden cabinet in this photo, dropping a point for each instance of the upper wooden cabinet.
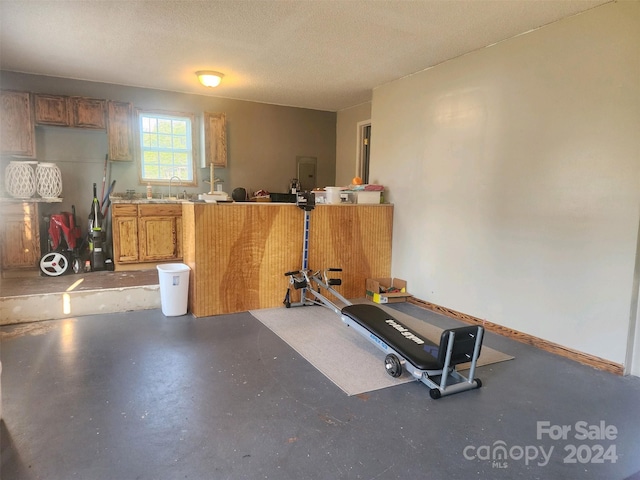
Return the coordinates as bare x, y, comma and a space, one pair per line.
70, 111
52, 110
116, 117
88, 113
18, 118
215, 139
120, 130
17, 127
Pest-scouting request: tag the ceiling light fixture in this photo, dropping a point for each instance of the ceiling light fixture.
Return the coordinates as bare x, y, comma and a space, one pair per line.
209, 78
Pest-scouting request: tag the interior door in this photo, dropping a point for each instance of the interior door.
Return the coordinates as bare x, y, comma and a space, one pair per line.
307, 173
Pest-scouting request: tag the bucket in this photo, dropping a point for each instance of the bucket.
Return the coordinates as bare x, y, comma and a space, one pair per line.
333, 194
174, 288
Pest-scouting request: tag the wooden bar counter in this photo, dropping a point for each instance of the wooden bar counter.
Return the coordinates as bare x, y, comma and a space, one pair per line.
238, 252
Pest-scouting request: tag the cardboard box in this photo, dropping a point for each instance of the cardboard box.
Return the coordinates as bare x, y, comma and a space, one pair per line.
377, 290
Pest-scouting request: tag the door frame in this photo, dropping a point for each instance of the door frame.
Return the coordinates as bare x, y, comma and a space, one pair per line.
360, 152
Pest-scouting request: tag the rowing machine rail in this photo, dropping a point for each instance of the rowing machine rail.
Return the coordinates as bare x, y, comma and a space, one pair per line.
430, 363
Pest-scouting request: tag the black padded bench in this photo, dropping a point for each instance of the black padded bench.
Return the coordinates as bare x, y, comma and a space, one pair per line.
432, 364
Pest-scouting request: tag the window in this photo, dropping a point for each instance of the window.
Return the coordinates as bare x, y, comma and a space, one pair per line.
166, 147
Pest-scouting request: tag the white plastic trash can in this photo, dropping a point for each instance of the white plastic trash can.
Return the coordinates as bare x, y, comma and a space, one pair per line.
174, 288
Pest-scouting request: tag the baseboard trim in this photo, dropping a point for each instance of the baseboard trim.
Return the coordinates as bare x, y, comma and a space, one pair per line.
575, 355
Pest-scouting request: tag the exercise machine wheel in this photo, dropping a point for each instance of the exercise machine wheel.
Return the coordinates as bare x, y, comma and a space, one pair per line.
435, 393
54, 264
478, 382
392, 365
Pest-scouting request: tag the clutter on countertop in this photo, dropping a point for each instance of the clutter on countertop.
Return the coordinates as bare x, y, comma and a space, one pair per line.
294, 186
239, 194
131, 196
354, 193
367, 188
261, 196
215, 197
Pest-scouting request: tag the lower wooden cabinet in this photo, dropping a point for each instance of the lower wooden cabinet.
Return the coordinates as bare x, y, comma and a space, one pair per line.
19, 236
146, 233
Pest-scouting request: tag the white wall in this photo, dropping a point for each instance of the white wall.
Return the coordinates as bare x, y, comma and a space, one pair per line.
515, 171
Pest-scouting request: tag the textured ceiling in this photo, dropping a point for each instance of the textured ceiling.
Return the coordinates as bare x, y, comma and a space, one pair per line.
319, 54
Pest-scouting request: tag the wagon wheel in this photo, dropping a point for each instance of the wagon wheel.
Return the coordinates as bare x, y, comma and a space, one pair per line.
54, 264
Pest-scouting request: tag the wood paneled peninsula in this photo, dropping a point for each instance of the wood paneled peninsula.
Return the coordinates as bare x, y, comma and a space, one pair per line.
238, 252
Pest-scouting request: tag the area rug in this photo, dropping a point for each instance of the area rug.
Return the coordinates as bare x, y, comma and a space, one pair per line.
344, 356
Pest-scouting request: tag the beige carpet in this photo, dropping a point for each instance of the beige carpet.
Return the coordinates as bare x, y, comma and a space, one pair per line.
343, 355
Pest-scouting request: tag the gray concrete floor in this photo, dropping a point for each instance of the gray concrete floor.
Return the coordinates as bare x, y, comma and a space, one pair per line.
36, 284
142, 396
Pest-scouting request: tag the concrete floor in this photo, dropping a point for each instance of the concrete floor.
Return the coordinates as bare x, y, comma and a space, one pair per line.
38, 284
138, 395
32, 298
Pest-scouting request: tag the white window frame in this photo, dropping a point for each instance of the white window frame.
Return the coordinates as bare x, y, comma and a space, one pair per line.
188, 176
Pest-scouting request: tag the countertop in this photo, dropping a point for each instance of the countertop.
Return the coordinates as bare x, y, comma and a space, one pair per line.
229, 202
144, 200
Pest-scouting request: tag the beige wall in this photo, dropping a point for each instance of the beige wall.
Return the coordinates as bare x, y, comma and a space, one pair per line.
515, 171
263, 140
347, 140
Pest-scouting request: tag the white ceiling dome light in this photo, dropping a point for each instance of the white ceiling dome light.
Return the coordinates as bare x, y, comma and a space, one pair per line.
209, 78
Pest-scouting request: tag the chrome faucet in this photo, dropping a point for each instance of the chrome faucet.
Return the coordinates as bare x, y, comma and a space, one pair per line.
171, 184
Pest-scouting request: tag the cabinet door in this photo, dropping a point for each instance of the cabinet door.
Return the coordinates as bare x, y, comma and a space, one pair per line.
158, 238
125, 239
52, 110
17, 128
120, 130
124, 219
19, 231
88, 113
215, 139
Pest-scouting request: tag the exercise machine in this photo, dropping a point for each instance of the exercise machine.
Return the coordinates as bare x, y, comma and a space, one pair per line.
406, 350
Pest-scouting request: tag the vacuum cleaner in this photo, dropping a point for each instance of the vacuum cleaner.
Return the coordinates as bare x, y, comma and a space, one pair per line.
96, 235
